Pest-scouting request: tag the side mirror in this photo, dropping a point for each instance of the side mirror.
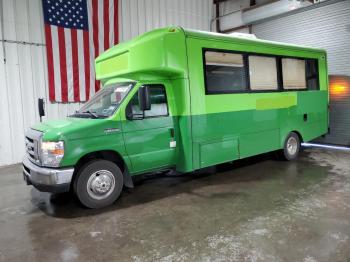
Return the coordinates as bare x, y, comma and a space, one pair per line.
128, 112
41, 107
132, 116
144, 98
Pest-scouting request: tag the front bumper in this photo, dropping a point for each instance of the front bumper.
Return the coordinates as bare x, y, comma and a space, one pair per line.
55, 180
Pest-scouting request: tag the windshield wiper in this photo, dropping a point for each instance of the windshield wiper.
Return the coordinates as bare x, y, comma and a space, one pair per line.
87, 114
90, 113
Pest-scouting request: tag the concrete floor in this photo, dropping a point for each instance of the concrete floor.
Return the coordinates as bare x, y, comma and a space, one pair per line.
257, 209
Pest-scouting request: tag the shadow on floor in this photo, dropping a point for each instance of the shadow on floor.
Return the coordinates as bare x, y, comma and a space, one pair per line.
153, 187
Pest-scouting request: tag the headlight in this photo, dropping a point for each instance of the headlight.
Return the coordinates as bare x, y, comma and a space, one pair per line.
52, 153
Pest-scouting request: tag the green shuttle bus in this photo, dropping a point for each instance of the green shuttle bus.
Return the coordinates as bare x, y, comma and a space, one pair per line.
180, 99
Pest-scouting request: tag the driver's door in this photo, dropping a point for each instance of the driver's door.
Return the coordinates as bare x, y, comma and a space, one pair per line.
149, 137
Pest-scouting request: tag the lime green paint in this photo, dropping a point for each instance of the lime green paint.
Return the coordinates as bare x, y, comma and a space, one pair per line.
159, 54
276, 102
108, 67
208, 129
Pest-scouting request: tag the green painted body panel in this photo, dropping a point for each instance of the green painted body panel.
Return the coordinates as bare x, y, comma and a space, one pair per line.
83, 136
260, 131
208, 129
159, 54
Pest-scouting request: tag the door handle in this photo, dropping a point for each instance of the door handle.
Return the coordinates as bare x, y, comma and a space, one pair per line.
172, 135
172, 132
305, 117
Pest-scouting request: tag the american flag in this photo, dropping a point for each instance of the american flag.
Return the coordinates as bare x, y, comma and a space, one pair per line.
76, 32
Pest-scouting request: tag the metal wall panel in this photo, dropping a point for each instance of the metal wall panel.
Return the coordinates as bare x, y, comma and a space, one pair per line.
328, 27
139, 16
23, 77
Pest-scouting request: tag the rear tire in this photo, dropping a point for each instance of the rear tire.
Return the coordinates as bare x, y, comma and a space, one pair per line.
291, 147
98, 183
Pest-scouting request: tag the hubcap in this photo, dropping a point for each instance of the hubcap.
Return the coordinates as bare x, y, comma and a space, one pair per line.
100, 184
292, 146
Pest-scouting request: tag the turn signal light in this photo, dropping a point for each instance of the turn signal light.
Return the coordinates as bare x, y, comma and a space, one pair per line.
57, 151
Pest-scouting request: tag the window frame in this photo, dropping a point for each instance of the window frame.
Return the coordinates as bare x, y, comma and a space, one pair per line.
317, 77
248, 89
245, 68
277, 74
143, 112
295, 89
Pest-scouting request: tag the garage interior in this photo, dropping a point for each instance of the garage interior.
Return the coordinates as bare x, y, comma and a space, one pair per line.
255, 209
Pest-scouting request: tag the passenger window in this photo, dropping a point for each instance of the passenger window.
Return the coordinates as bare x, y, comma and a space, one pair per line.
263, 73
224, 72
293, 73
312, 74
158, 99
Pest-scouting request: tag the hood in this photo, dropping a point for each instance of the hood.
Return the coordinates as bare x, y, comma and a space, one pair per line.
73, 128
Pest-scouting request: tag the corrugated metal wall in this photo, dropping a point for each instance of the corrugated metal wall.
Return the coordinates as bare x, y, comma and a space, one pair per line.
23, 76
326, 27
138, 16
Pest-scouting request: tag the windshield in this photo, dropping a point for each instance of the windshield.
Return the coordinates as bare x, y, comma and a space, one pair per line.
104, 103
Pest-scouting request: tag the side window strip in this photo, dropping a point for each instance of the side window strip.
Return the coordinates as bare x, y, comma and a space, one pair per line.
227, 72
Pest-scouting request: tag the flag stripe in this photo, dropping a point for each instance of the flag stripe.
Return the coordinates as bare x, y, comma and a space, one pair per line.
101, 26
87, 64
92, 50
101, 32
63, 63
75, 66
111, 25
69, 64
106, 24
95, 26
81, 65
95, 31
50, 68
116, 23
56, 63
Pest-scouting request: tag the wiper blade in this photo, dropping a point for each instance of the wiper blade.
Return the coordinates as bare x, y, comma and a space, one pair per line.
90, 113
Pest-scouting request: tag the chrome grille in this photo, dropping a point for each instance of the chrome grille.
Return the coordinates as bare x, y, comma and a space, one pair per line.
31, 148
32, 139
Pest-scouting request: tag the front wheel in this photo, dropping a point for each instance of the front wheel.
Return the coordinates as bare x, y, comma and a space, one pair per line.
98, 183
291, 147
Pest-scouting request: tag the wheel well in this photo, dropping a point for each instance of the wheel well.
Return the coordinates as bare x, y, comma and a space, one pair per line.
299, 135
104, 154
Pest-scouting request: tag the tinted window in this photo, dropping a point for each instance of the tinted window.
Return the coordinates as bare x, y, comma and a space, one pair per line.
227, 72
312, 74
293, 73
263, 73
224, 72
158, 103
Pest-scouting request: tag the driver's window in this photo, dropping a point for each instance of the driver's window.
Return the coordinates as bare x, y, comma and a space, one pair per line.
158, 99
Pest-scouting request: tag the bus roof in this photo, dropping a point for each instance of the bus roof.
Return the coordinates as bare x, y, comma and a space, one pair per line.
235, 38
153, 52
203, 35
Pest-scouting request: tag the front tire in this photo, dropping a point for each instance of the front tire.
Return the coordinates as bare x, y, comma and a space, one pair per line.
291, 147
98, 183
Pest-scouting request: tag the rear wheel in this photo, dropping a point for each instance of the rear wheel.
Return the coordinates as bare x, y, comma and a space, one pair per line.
98, 183
291, 147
